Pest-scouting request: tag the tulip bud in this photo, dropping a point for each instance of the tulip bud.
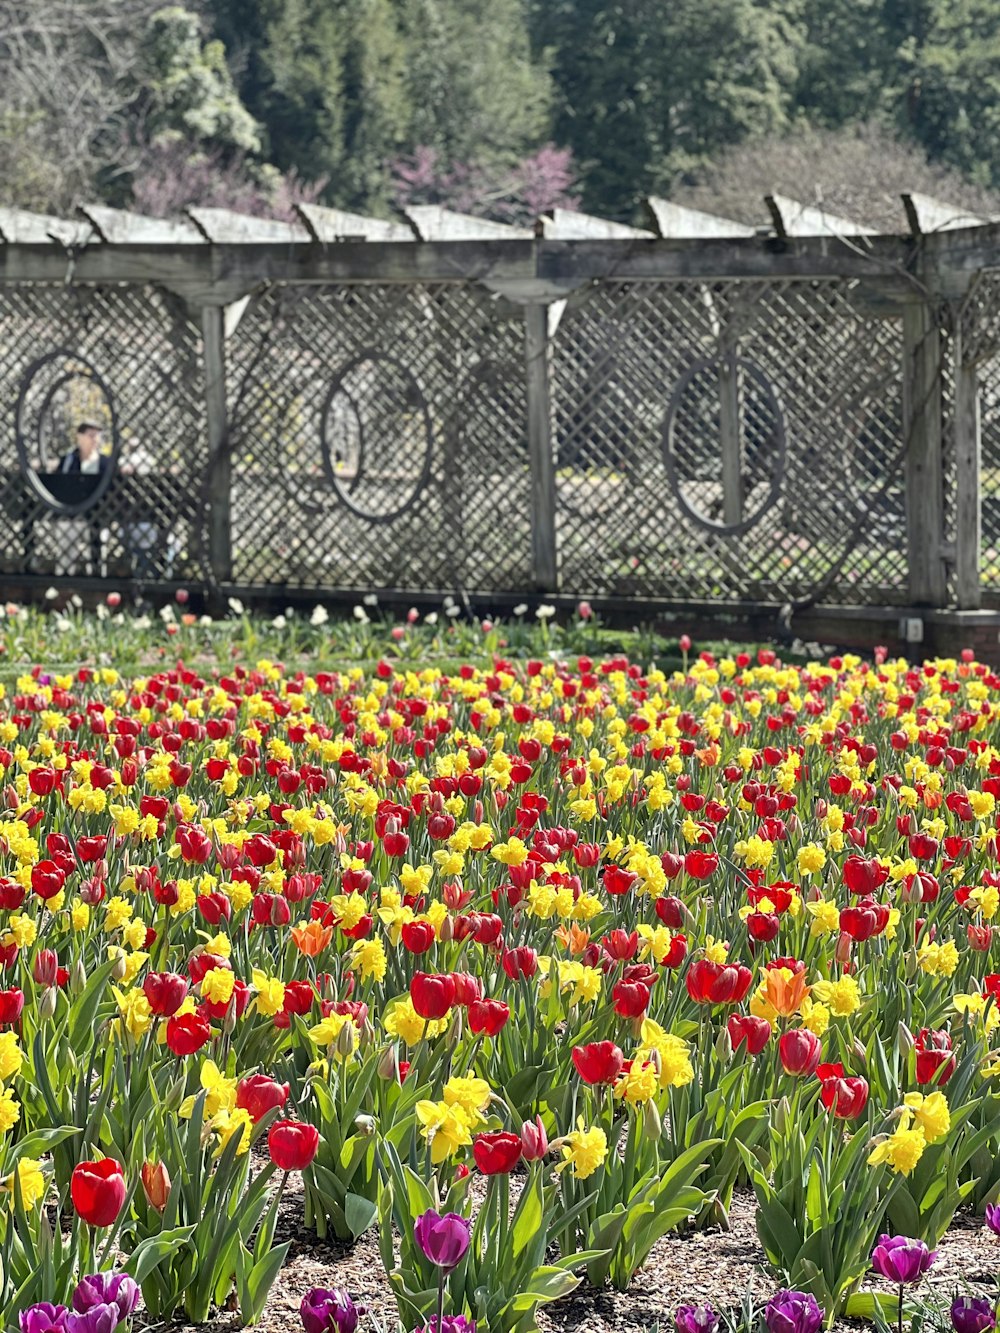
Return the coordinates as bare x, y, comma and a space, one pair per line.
843, 949
367, 1034
119, 967
534, 1140
446, 930
904, 1039
47, 1004
782, 1113
455, 1027
724, 1046
652, 1125
45, 967
365, 1125
911, 963
347, 1041
77, 977
175, 1094
229, 1021
155, 1185
860, 1054
388, 1065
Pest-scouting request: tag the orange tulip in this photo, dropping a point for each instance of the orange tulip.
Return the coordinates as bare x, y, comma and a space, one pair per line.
574, 937
783, 993
312, 938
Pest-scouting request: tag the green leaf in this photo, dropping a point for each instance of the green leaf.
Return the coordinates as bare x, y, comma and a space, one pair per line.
151, 1252
359, 1214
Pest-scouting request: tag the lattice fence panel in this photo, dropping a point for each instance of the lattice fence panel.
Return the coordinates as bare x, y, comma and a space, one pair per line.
127, 360
818, 420
379, 439
981, 348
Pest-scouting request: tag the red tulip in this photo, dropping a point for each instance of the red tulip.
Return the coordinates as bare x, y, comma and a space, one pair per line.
45, 967
520, 962
195, 844
935, 1061
417, 936
598, 1062
258, 1094
187, 1033
845, 1097
864, 877
292, 1144
165, 991
631, 998
701, 865
47, 879
755, 1032
497, 1154
98, 1191
488, 1016
11, 1005
717, 983
432, 996
799, 1052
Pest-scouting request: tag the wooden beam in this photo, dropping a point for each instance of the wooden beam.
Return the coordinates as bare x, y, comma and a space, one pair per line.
113, 226
222, 226
566, 225
792, 218
220, 464
224, 272
925, 215
19, 227
674, 221
968, 478
922, 373
542, 459
431, 222
330, 225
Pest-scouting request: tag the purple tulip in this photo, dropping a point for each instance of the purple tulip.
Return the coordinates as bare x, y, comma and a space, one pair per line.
696, 1319
43, 1318
116, 1289
328, 1310
98, 1319
793, 1312
993, 1217
902, 1260
972, 1314
444, 1240
450, 1323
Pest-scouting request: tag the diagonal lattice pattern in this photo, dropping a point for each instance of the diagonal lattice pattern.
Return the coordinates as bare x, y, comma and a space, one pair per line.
981, 348
128, 361
814, 402
378, 439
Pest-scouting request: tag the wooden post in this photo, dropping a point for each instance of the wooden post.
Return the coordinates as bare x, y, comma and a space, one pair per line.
968, 497
543, 474
924, 467
729, 430
220, 466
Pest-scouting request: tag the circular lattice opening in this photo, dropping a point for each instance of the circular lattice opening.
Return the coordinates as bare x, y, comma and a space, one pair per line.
69, 468
376, 437
724, 444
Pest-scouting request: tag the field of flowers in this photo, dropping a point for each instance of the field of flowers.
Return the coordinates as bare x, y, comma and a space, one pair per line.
509, 966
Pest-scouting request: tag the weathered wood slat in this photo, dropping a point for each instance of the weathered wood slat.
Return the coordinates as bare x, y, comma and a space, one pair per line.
566, 225
19, 227
792, 218
113, 226
330, 225
674, 221
922, 364
223, 227
926, 215
968, 479
431, 222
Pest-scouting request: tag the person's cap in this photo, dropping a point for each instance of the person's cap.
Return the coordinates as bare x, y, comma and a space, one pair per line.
86, 426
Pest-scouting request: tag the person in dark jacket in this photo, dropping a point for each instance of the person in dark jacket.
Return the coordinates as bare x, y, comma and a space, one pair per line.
86, 457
